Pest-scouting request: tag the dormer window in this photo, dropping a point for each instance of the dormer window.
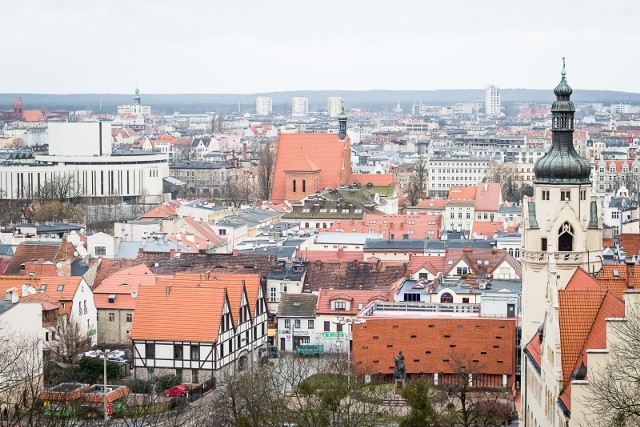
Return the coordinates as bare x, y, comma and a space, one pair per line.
60, 288
111, 298
340, 305
43, 287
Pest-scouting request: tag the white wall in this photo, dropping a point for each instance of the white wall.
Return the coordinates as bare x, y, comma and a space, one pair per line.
87, 317
79, 139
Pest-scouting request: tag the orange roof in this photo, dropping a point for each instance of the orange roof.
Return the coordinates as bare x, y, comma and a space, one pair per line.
618, 283
68, 285
461, 194
178, 313
302, 164
359, 299
584, 307
330, 155
433, 264
488, 197
631, 243
32, 116
48, 302
486, 229
414, 226
432, 204
377, 179
122, 284
161, 212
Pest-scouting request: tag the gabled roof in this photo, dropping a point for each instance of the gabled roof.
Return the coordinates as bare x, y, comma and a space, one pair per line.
614, 278
488, 197
631, 243
377, 179
459, 194
297, 305
359, 299
178, 313
59, 288
433, 264
584, 306
122, 284
301, 163
29, 251
160, 212
328, 154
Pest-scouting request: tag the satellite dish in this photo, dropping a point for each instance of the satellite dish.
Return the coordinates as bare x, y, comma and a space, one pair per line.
75, 253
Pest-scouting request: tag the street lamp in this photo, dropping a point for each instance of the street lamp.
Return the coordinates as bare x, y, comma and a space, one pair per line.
350, 321
105, 355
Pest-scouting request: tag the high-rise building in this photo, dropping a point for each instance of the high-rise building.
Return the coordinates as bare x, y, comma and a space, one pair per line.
264, 106
492, 100
299, 105
334, 105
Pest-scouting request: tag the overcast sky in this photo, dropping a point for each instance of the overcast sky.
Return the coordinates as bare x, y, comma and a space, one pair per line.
246, 46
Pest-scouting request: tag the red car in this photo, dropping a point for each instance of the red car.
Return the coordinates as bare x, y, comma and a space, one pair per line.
178, 390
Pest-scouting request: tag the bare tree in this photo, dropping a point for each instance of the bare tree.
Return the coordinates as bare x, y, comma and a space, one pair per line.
265, 172
417, 182
615, 389
67, 342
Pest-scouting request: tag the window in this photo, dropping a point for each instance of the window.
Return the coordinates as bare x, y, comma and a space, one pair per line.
287, 323
178, 351
60, 288
222, 232
583, 194
150, 351
565, 238
195, 352
543, 244
446, 298
565, 195
129, 317
340, 305
179, 374
100, 250
112, 317
111, 298
327, 326
304, 185
294, 186
310, 325
297, 324
465, 300
339, 327
411, 297
43, 287
194, 376
615, 215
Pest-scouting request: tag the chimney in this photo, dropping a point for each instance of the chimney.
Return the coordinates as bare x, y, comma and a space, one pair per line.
236, 252
168, 290
172, 254
244, 150
630, 264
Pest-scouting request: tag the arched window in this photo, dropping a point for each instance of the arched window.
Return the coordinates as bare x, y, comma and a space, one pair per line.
446, 298
510, 250
565, 238
516, 253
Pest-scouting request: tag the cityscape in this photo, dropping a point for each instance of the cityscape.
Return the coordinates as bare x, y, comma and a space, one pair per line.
251, 255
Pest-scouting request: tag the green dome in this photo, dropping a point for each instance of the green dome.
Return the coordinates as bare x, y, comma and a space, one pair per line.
562, 164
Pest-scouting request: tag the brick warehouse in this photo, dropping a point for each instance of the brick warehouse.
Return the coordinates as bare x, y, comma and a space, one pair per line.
430, 342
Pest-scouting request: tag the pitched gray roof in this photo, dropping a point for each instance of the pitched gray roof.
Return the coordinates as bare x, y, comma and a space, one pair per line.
297, 305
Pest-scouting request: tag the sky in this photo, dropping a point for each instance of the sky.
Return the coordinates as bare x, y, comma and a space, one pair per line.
253, 46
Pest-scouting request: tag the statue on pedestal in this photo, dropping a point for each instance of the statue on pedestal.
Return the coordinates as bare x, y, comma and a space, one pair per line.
399, 370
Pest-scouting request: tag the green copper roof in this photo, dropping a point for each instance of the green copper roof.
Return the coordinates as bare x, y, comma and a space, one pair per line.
562, 164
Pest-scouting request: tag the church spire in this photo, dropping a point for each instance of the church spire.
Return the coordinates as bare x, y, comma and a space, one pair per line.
342, 122
562, 164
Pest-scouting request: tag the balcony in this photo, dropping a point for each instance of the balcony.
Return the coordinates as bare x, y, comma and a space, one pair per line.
541, 257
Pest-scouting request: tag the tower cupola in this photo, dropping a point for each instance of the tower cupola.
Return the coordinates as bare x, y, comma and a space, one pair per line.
562, 164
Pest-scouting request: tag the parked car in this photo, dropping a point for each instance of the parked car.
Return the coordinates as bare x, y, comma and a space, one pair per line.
307, 349
178, 390
91, 353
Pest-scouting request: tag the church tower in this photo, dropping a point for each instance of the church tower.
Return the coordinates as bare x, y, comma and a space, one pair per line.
562, 230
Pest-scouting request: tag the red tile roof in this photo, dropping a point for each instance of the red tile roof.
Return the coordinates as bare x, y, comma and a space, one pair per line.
332, 256
584, 306
433, 264
432, 204
301, 163
377, 179
32, 251
631, 243
122, 284
32, 116
178, 313
619, 284
486, 229
488, 196
414, 226
461, 194
160, 212
359, 299
329, 154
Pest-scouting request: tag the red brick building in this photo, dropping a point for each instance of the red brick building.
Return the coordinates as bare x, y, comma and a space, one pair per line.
431, 342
